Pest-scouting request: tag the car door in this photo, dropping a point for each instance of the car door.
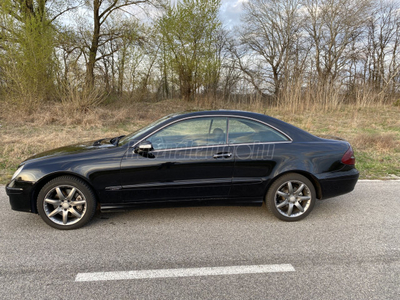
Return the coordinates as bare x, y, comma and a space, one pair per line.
189, 159
257, 150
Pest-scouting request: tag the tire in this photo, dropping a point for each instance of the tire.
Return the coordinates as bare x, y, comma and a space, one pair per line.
66, 203
291, 197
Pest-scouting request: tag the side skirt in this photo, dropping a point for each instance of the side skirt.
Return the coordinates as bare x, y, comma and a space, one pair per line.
106, 207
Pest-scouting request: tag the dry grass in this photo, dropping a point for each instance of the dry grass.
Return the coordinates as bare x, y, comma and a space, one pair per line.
374, 131
383, 143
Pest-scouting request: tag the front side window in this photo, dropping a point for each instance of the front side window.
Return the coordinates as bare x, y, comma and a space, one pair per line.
131, 137
243, 131
191, 133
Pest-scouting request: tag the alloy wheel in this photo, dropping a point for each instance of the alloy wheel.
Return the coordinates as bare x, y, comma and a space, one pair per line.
292, 198
65, 205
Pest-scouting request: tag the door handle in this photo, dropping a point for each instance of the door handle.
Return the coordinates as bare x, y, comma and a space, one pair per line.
222, 155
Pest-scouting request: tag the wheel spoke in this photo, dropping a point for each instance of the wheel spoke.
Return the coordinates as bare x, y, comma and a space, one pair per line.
54, 212
75, 203
75, 213
280, 205
284, 195
303, 198
71, 194
53, 202
290, 187
298, 205
65, 216
60, 194
300, 189
290, 209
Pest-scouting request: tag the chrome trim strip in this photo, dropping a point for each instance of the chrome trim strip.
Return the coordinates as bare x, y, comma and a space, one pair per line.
14, 189
247, 180
226, 116
113, 188
222, 145
112, 207
178, 183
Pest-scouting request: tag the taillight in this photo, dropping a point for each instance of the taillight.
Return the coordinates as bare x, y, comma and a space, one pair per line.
348, 158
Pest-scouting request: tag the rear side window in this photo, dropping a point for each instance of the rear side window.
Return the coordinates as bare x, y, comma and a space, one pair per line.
244, 131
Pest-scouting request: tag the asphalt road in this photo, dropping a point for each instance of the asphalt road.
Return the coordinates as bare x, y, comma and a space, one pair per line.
348, 248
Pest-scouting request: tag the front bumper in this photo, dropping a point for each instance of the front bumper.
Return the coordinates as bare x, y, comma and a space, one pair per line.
20, 196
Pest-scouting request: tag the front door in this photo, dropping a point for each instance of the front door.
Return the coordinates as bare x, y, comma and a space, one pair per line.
190, 160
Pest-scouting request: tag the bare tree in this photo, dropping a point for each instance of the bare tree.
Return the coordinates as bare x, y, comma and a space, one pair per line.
333, 26
102, 10
269, 36
382, 44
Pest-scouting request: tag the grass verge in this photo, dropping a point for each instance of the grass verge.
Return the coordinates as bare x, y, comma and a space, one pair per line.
374, 131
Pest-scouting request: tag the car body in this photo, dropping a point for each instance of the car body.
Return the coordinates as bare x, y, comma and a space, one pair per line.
215, 157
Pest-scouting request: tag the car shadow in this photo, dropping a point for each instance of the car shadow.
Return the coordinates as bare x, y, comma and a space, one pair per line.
189, 213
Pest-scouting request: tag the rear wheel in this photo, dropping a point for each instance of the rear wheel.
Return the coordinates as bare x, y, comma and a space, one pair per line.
66, 203
291, 197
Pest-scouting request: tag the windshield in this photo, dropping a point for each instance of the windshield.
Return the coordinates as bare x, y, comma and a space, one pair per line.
134, 135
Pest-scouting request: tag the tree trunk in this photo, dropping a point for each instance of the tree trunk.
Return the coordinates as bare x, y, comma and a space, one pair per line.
95, 45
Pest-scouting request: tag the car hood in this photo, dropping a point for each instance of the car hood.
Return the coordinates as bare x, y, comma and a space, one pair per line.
72, 149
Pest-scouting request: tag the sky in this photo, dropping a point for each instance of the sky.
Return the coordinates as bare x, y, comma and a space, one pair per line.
231, 11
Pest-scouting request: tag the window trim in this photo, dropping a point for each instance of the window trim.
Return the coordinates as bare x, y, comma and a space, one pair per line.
290, 140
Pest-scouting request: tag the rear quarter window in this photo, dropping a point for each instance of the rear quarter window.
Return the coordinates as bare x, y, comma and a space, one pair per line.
249, 131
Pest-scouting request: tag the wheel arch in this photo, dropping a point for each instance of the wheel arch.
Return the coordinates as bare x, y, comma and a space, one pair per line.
308, 175
41, 183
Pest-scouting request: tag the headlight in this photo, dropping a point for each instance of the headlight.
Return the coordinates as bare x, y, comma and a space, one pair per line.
17, 172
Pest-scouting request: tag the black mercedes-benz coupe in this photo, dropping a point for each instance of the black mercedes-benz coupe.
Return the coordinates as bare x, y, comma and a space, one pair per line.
212, 157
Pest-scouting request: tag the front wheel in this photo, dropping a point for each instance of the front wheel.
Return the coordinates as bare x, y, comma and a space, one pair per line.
291, 197
66, 203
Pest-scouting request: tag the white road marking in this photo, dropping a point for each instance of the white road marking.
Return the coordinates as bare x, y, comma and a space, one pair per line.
170, 273
388, 179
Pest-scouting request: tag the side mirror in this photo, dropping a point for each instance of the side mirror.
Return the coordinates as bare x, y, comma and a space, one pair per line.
144, 147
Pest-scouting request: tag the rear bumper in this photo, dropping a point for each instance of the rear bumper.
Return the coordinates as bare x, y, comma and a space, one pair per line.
19, 197
338, 183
